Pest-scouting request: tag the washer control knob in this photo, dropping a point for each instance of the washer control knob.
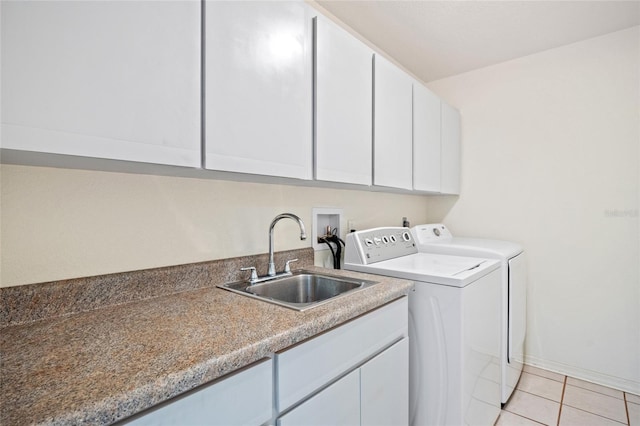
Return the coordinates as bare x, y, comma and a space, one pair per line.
377, 240
392, 238
406, 236
368, 242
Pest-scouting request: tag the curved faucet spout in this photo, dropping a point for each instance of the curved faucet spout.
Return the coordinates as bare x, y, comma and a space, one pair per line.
303, 236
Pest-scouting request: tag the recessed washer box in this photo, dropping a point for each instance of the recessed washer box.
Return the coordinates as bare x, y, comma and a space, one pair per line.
323, 217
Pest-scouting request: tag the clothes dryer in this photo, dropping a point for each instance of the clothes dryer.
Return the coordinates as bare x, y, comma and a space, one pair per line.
454, 325
436, 238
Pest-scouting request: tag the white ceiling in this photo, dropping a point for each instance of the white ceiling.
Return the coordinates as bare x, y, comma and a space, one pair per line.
437, 39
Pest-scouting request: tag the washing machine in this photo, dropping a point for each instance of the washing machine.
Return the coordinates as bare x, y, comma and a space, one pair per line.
436, 238
454, 325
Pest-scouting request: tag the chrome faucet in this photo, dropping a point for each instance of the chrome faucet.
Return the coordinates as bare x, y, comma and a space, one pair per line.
303, 236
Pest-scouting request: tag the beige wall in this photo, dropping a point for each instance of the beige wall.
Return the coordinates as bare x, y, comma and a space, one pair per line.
62, 223
550, 160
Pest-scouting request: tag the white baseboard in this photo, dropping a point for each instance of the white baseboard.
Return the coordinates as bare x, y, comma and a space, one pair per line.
619, 383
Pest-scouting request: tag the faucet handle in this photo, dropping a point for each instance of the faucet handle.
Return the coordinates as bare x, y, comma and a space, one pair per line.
287, 268
254, 274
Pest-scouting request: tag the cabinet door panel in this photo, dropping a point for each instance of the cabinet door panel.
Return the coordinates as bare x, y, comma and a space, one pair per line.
337, 405
392, 139
426, 139
385, 387
258, 88
242, 398
450, 175
117, 80
343, 106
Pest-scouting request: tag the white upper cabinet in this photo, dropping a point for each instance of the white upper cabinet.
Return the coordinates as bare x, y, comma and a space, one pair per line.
426, 140
450, 157
116, 79
392, 136
283, 92
258, 88
343, 105
436, 143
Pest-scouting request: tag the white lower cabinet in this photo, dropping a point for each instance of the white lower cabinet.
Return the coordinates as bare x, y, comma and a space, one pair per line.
242, 398
375, 394
365, 364
337, 405
384, 387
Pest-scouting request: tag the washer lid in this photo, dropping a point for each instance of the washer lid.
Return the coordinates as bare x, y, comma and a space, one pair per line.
454, 271
436, 238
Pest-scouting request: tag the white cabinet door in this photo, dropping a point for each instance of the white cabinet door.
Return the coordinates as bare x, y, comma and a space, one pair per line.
335, 352
384, 384
343, 105
337, 405
450, 174
242, 398
426, 139
114, 79
392, 139
258, 88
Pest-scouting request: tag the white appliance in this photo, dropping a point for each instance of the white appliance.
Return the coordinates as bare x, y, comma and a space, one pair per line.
454, 325
436, 238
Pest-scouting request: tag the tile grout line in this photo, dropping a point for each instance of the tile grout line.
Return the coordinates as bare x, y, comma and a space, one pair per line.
524, 417
565, 383
575, 385
584, 388
598, 415
626, 407
544, 377
540, 396
564, 386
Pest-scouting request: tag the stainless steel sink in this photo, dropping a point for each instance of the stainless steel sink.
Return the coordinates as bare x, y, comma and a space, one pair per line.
301, 290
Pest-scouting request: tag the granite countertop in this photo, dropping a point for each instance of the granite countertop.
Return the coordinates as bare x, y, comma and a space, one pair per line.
106, 364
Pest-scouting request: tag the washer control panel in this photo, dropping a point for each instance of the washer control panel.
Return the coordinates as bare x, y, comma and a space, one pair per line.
378, 244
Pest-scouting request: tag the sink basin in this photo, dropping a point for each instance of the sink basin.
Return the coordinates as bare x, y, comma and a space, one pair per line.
301, 290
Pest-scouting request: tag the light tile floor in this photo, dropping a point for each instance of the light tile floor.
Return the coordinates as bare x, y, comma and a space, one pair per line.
544, 397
